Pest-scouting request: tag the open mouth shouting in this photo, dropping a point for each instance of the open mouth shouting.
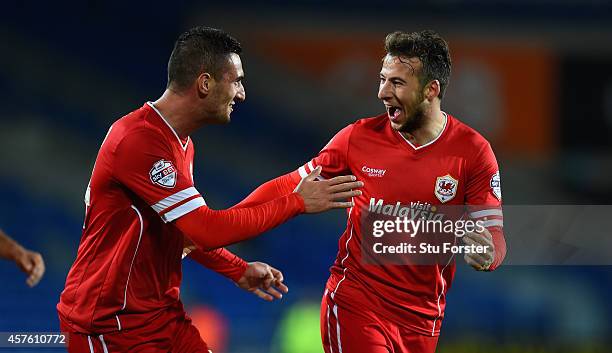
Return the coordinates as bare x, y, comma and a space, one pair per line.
394, 113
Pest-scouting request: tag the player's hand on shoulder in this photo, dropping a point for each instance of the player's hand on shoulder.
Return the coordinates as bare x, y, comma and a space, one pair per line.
263, 280
480, 261
31, 263
323, 195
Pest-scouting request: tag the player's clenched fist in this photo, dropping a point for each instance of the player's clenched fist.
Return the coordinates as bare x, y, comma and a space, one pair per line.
480, 261
32, 264
324, 195
28, 261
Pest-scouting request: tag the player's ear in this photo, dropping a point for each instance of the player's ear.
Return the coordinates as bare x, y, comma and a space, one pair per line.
432, 90
204, 83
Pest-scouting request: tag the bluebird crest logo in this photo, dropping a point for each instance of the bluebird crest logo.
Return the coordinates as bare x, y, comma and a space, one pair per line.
446, 188
163, 174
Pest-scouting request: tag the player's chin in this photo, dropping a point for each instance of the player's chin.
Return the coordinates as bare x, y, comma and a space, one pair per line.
228, 116
396, 125
224, 119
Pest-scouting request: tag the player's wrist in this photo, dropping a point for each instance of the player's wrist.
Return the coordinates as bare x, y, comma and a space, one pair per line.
298, 201
15, 252
491, 266
241, 269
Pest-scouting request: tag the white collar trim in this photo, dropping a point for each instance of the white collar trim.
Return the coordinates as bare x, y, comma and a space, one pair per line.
430, 142
184, 146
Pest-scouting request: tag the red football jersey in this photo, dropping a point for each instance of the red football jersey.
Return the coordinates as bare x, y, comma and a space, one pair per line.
456, 168
128, 266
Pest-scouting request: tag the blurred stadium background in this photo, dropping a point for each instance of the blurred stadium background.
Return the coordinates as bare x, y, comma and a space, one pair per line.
535, 77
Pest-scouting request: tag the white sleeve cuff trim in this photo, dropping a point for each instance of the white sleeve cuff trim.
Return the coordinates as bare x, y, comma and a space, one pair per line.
493, 223
183, 209
302, 172
311, 166
174, 199
486, 213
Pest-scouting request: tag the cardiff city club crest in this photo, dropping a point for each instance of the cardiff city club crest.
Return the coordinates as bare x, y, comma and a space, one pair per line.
446, 188
163, 173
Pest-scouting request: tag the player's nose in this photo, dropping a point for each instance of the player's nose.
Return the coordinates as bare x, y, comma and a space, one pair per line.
241, 94
384, 91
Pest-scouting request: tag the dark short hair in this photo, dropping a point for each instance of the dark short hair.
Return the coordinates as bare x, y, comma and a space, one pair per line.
430, 48
200, 49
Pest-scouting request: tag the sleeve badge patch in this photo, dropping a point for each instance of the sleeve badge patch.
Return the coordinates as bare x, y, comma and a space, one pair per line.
163, 174
496, 185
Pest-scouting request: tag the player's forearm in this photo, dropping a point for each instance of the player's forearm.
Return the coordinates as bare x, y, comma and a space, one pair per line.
211, 229
222, 261
499, 243
270, 190
9, 249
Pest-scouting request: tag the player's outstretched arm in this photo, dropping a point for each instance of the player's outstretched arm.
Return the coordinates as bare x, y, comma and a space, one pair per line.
28, 261
223, 261
258, 278
211, 229
289, 183
272, 189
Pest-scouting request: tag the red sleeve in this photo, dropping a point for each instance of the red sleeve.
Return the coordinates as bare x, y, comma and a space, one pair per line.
144, 164
333, 157
332, 160
221, 261
483, 197
270, 190
211, 229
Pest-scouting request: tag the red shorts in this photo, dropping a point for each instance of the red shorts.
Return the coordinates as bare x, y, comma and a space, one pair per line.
352, 330
177, 336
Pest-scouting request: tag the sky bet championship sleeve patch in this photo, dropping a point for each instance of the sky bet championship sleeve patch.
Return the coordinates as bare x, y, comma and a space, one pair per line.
163, 174
496, 185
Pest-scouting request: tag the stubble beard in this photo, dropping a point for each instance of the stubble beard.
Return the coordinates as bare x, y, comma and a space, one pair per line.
221, 117
416, 120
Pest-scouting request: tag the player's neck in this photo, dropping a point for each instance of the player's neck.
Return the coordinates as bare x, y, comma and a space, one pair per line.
175, 109
432, 127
